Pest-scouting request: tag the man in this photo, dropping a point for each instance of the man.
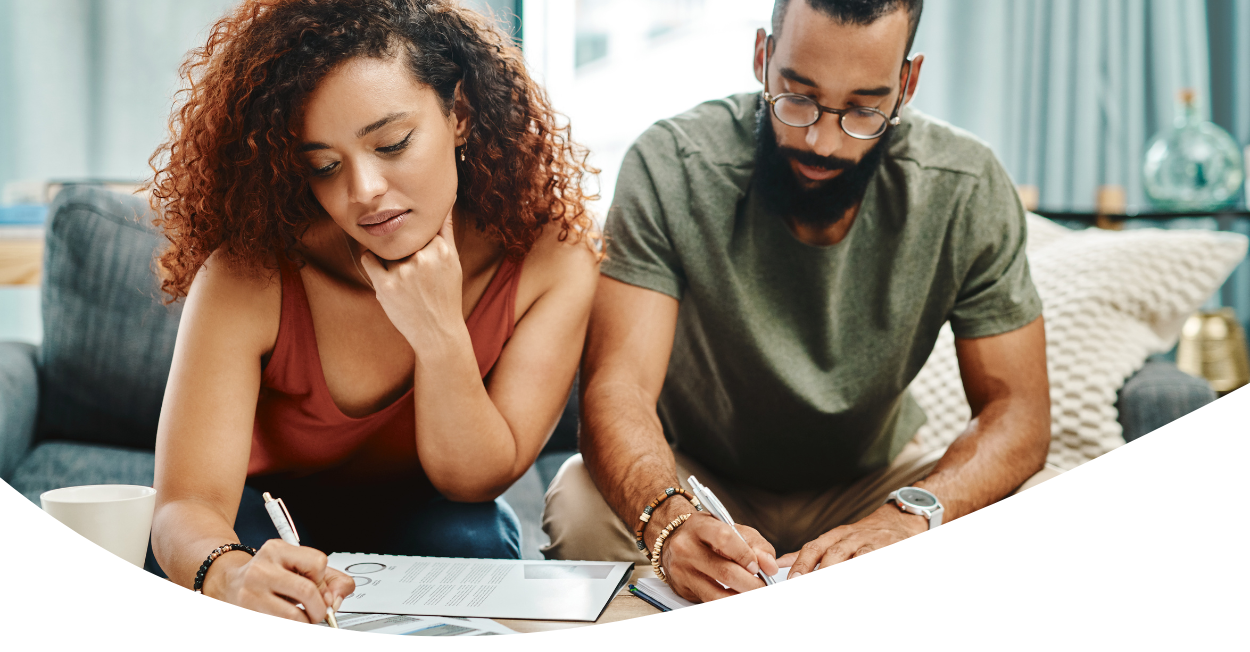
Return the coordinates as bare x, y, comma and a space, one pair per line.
779, 266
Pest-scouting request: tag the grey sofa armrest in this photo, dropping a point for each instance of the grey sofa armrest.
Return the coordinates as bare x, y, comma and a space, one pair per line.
1157, 395
19, 403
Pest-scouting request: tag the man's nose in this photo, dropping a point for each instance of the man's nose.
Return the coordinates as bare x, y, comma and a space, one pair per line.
825, 138
365, 183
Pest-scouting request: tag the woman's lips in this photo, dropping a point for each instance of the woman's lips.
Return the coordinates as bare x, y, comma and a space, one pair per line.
387, 225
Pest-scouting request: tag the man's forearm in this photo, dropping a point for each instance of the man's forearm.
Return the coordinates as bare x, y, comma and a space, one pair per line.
1003, 446
624, 450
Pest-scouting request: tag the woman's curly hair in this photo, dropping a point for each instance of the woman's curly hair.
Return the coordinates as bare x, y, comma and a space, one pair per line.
230, 178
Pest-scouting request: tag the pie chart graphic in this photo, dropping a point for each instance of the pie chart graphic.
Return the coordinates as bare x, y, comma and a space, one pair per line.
361, 581
364, 568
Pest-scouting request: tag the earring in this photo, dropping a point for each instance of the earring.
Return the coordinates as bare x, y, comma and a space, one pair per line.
463, 148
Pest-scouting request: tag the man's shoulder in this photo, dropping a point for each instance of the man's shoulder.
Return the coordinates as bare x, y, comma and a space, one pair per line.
935, 145
719, 132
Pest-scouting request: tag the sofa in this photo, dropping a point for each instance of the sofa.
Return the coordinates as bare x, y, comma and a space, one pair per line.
83, 407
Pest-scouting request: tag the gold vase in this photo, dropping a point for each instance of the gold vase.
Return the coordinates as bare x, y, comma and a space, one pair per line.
1213, 346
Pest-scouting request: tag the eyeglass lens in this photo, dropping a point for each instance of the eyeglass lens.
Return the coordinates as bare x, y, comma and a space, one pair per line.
803, 112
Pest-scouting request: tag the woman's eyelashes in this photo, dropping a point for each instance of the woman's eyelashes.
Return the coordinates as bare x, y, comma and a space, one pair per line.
391, 149
328, 168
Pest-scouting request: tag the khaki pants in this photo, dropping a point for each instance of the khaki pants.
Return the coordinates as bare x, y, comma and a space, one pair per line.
582, 526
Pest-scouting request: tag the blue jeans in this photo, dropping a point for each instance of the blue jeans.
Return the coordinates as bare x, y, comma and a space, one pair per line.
379, 521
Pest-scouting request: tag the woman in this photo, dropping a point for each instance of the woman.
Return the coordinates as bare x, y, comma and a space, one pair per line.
382, 243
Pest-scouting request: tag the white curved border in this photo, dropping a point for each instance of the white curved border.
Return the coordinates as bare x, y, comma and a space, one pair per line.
1143, 548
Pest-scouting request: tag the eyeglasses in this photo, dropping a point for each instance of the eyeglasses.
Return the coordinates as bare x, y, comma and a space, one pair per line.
861, 122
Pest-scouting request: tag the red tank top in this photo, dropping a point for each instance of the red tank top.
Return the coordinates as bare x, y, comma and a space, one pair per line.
300, 432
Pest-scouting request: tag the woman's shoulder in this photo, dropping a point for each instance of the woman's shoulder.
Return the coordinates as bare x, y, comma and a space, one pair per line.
246, 299
565, 263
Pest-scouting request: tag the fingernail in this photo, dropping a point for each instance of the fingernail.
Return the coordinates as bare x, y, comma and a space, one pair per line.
793, 574
338, 602
753, 568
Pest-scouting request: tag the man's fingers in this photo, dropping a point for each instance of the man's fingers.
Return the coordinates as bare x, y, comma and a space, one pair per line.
787, 559
701, 588
722, 540
711, 563
765, 554
807, 559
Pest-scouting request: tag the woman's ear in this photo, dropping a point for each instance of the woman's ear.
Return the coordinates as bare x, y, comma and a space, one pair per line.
460, 113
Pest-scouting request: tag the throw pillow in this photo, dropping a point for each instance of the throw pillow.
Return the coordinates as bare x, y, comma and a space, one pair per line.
1110, 299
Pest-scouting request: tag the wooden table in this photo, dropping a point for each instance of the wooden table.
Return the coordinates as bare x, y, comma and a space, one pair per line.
622, 607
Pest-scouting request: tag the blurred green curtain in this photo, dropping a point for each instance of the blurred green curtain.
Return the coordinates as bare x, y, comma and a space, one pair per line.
86, 86
1069, 91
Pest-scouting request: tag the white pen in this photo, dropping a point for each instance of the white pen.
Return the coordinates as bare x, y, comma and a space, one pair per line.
718, 511
286, 529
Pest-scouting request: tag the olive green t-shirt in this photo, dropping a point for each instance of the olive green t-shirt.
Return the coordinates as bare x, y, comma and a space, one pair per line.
791, 362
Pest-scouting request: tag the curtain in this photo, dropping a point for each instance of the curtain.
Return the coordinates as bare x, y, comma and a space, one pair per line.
1068, 92
86, 86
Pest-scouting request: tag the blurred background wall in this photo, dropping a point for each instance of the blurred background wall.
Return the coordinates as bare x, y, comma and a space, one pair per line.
1066, 91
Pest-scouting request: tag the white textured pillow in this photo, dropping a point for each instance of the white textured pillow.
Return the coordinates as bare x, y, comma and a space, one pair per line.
1110, 299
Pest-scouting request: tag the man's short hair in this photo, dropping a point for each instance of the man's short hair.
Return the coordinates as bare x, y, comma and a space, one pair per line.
856, 12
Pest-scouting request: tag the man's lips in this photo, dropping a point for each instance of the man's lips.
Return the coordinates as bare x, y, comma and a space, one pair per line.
380, 216
815, 173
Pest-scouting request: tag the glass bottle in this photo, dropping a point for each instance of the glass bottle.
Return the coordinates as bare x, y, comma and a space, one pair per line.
1194, 166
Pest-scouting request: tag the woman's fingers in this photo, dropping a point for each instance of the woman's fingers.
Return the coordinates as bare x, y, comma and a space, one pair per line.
373, 266
277, 606
301, 590
338, 585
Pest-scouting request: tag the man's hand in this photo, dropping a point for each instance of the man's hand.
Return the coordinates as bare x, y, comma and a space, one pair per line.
703, 556
879, 529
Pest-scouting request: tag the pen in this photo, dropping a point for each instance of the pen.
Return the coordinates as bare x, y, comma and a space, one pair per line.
646, 598
286, 529
717, 510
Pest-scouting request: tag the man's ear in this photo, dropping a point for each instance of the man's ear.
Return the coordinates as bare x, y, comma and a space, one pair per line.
761, 42
460, 113
917, 61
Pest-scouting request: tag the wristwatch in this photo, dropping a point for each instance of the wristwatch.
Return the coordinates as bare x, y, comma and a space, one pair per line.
915, 500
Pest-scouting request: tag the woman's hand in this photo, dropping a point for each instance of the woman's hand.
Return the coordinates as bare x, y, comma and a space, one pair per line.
279, 577
423, 293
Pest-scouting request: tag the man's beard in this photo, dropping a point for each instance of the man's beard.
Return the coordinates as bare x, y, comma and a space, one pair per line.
819, 206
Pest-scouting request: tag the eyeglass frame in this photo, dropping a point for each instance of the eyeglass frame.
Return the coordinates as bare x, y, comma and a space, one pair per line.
891, 120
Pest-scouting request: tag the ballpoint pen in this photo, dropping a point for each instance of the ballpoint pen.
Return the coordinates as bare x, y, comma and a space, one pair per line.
717, 510
286, 529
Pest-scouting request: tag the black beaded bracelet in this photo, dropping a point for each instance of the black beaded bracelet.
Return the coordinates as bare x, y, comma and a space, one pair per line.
212, 557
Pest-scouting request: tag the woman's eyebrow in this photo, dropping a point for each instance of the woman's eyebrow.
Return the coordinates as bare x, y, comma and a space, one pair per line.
366, 130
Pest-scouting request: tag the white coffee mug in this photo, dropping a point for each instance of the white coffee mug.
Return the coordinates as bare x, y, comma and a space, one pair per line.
116, 517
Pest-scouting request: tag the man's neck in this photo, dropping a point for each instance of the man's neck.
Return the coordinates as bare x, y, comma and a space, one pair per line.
816, 236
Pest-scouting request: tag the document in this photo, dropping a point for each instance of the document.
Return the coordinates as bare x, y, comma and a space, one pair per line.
480, 588
421, 625
660, 592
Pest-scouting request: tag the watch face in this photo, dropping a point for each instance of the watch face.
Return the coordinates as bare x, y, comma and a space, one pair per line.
917, 497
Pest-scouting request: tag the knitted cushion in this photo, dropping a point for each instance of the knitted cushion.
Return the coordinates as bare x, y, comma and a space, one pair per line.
1110, 299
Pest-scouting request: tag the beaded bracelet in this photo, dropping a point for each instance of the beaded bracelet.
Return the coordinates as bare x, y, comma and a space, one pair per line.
212, 557
659, 546
649, 509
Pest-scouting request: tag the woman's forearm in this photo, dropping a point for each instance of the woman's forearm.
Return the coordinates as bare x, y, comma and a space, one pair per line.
466, 447
183, 533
